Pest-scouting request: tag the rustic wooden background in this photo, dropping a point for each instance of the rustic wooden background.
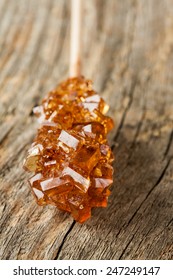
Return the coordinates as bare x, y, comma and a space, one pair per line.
128, 52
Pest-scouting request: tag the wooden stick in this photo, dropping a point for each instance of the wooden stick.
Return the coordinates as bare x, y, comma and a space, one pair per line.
75, 44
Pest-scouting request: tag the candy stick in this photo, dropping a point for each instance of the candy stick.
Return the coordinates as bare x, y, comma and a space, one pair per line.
70, 157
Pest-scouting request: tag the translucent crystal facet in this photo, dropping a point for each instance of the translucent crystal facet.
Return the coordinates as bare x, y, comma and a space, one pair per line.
70, 158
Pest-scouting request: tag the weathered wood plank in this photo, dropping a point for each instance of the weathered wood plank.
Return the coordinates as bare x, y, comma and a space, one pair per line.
128, 54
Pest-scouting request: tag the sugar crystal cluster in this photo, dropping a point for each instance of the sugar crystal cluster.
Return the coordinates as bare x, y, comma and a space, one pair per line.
70, 158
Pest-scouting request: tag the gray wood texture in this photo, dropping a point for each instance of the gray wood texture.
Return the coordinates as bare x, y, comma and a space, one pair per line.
128, 53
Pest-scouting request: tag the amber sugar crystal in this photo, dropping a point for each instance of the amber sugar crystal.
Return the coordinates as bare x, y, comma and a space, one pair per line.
70, 158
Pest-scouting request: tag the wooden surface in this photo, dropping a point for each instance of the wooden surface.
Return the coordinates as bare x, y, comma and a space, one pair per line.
128, 52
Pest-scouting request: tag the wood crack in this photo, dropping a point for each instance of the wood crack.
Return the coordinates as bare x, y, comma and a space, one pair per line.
125, 249
138, 130
168, 145
151, 190
64, 239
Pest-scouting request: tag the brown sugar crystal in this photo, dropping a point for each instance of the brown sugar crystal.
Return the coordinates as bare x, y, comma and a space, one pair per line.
70, 158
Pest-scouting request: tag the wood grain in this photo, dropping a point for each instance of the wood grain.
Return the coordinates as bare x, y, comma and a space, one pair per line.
128, 52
